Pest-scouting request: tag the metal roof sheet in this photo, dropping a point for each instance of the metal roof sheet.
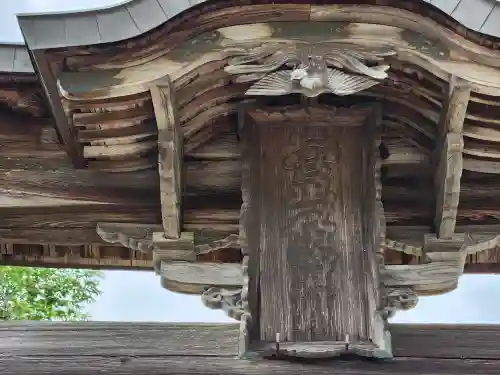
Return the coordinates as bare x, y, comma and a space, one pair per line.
14, 58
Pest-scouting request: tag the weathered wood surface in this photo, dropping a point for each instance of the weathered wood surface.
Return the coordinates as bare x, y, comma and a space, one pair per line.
112, 114
170, 157
314, 208
184, 365
450, 166
88, 348
179, 50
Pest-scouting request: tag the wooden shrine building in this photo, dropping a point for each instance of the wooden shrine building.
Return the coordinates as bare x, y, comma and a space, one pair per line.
308, 167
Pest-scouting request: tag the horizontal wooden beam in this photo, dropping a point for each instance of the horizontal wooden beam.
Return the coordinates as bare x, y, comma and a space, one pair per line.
124, 348
186, 365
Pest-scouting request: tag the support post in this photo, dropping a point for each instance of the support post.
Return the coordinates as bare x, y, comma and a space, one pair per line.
170, 157
449, 170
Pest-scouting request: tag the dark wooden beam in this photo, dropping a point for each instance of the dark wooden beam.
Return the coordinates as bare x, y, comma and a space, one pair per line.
65, 129
94, 255
123, 348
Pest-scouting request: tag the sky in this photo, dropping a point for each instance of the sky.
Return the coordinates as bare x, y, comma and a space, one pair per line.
138, 296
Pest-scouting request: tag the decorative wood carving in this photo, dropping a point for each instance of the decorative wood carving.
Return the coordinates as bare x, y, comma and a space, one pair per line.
170, 156
403, 247
134, 236
396, 299
403, 283
228, 300
449, 171
445, 260
304, 186
310, 69
474, 245
151, 239
231, 241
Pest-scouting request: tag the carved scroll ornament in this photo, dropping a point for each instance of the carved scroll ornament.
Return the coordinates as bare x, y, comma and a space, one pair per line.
308, 69
227, 300
396, 299
133, 236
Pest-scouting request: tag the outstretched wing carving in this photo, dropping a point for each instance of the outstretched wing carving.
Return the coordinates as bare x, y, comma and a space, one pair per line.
339, 83
308, 69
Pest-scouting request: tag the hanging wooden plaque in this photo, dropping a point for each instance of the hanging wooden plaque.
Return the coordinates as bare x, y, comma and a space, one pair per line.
312, 228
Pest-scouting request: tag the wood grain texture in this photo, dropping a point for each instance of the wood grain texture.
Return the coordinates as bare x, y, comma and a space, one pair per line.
448, 175
449, 170
91, 348
134, 236
173, 249
198, 365
55, 233
313, 190
456, 106
170, 149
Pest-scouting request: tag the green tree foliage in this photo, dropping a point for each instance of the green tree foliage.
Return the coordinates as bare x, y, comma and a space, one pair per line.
47, 293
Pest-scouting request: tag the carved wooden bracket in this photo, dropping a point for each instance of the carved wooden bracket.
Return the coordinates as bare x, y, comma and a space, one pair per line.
224, 288
444, 263
134, 236
151, 239
307, 68
403, 283
228, 300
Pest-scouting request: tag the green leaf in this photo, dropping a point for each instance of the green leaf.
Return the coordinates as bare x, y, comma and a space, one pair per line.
47, 293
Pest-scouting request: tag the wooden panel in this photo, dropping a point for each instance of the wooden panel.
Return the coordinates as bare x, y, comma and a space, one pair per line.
124, 348
314, 199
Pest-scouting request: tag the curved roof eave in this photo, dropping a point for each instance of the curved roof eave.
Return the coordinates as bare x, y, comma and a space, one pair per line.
135, 17
14, 58
114, 23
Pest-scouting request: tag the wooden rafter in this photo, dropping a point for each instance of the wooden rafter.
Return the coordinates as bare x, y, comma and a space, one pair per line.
449, 171
170, 155
62, 120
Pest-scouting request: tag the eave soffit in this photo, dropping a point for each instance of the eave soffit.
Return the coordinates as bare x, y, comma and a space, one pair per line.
132, 18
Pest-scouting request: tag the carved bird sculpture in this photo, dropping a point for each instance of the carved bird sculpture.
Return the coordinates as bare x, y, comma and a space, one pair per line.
309, 69
311, 79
